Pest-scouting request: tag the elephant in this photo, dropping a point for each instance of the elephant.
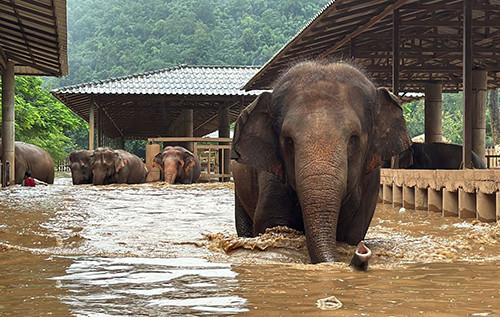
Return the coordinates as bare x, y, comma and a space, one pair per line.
81, 171
178, 165
308, 155
116, 167
30, 157
434, 156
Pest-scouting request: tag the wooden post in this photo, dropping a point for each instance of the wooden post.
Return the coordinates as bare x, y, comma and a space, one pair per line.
224, 132
467, 83
433, 114
8, 124
97, 128
396, 58
91, 126
187, 127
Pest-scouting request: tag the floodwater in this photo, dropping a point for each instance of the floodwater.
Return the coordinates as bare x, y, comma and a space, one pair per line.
159, 250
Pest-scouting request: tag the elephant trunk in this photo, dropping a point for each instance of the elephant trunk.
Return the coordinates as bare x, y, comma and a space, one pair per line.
320, 188
170, 171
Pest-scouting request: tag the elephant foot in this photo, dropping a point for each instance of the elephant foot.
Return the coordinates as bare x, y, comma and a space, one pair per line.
361, 257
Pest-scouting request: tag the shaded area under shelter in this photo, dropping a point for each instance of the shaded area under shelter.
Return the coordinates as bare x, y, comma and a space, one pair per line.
429, 46
33, 41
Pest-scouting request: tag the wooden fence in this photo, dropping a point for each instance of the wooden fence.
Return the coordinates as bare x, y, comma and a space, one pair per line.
62, 166
493, 157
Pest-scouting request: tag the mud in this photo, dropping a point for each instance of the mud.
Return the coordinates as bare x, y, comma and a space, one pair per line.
160, 250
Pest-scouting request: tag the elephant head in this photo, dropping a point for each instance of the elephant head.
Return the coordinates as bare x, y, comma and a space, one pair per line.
176, 163
322, 129
105, 164
81, 171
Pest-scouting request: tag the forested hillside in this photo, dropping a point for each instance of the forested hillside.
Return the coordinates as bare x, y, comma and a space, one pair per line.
118, 37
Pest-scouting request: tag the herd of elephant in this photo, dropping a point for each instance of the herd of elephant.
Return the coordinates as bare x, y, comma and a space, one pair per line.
105, 166
306, 155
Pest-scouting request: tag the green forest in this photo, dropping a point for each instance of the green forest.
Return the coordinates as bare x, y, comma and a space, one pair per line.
120, 37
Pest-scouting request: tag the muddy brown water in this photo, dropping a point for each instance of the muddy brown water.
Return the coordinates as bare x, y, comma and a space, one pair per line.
158, 250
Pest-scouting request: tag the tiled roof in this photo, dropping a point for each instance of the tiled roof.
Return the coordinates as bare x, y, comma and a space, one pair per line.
180, 80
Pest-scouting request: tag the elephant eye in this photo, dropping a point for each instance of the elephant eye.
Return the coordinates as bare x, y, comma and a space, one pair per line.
353, 144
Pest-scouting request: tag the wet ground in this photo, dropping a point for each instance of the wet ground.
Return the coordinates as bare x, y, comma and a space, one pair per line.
158, 250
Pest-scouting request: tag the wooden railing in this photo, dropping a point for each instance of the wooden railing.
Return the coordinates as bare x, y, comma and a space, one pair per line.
62, 166
213, 153
492, 158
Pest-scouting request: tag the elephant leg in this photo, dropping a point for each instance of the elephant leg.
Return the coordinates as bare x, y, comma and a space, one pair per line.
357, 213
277, 206
244, 224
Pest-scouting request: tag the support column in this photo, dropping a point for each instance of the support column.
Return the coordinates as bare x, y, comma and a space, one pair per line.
187, 127
397, 196
224, 132
433, 112
97, 128
91, 126
450, 203
479, 93
396, 58
8, 124
467, 83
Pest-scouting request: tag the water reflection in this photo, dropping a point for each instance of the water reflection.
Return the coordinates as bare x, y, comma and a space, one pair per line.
150, 286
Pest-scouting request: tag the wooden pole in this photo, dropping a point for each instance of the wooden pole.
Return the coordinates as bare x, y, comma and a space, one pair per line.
467, 83
224, 132
91, 126
8, 124
396, 56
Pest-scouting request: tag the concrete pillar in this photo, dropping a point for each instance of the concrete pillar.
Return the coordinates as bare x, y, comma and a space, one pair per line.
408, 197
8, 124
434, 200
433, 112
485, 207
479, 95
466, 204
420, 199
92, 127
450, 203
186, 127
397, 196
153, 172
97, 127
224, 132
387, 194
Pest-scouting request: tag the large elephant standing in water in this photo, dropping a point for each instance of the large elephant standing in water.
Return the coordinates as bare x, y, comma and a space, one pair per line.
116, 166
178, 165
309, 154
30, 157
81, 171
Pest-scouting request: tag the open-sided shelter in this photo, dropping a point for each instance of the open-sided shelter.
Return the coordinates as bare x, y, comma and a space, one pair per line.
426, 46
182, 101
33, 41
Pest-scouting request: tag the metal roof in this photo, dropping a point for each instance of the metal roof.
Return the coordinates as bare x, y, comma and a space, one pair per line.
362, 31
148, 104
34, 36
179, 80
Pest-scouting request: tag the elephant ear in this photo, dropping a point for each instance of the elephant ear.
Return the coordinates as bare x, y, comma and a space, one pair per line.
390, 133
189, 162
157, 160
255, 143
120, 163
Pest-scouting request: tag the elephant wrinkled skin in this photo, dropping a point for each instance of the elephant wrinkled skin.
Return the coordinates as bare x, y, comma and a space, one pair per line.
178, 165
30, 157
308, 155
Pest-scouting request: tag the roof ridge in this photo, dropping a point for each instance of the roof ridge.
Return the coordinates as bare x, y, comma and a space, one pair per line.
151, 72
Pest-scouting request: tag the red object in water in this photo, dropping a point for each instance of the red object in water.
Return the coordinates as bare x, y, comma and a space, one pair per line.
29, 181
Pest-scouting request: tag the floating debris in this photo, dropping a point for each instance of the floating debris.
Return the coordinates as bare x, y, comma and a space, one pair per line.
329, 303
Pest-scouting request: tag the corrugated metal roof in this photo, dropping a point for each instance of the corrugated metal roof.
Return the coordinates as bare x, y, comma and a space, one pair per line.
180, 80
33, 36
